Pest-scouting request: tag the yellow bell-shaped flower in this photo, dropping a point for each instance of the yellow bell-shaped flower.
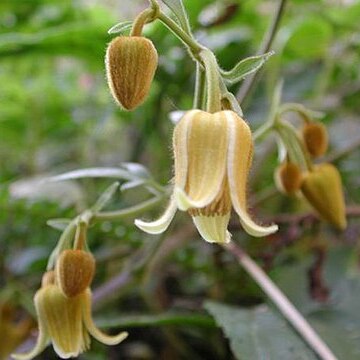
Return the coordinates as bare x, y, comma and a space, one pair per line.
213, 154
67, 323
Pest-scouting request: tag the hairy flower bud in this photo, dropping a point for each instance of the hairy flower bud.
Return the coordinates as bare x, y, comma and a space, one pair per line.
74, 271
315, 138
323, 190
288, 178
131, 62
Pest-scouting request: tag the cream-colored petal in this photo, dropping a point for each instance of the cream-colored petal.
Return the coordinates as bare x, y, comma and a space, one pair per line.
180, 139
93, 329
206, 151
213, 228
160, 225
239, 162
184, 202
41, 343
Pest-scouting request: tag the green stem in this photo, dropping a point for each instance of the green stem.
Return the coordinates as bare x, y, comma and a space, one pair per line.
131, 211
189, 41
290, 130
212, 81
63, 243
269, 37
262, 130
140, 21
80, 235
305, 113
199, 87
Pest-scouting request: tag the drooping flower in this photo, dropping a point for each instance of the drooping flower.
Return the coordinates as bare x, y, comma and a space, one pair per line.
213, 155
323, 189
66, 322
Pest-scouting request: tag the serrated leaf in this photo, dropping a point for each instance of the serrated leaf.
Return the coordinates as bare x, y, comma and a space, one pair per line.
120, 27
58, 224
177, 7
245, 67
258, 333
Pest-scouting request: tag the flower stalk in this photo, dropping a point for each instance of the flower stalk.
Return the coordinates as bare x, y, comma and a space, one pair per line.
283, 304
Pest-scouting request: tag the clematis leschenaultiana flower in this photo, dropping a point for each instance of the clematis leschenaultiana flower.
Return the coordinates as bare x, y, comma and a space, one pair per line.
213, 155
66, 322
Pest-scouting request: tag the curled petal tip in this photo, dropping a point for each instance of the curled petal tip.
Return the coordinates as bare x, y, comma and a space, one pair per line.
184, 202
160, 225
256, 230
149, 227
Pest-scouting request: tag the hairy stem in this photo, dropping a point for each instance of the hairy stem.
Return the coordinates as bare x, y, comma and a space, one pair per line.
213, 103
199, 87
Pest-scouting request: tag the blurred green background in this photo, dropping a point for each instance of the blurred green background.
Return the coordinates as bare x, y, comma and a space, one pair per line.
56, 115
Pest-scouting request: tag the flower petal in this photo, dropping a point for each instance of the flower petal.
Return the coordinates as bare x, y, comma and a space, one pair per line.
205, 152
62, 316
239, 162
213, 228
41, 343
93, 329
180, 139
160, 225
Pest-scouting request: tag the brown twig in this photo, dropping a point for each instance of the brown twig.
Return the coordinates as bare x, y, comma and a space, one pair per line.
269, 37
287, 309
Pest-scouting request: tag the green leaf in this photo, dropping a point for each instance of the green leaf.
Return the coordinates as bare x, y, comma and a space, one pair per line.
245, 67
121, 27
310, 39
105, 172
258, 333
177, 7
58, 224
339, 315
157, 320
105, 197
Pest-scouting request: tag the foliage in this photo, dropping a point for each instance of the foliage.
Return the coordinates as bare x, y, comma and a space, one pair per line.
57, 116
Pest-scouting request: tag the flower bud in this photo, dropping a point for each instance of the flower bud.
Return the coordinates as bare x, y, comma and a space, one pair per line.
315, 138
288, 178
74, 271
131, 62
323, 190
48, 278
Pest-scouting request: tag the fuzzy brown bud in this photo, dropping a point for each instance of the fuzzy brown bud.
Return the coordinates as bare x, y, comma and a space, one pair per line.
322, 188
288, 178
131, 62
74, 271
315, 138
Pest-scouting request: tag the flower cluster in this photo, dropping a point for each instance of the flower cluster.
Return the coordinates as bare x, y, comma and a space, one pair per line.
63, 308
319, 184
